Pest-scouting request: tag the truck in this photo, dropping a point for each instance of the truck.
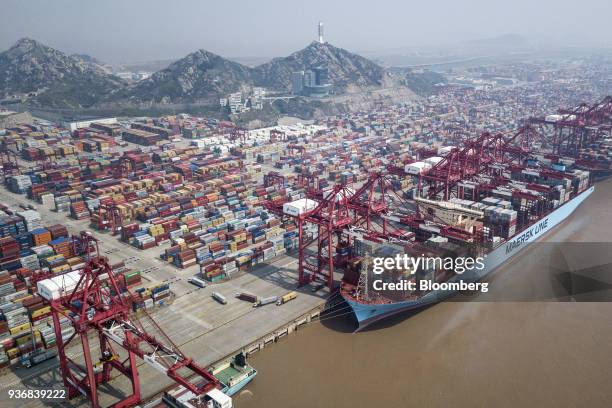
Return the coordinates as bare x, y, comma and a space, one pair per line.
219, 298
36, 357
265, 301
286, 298
249, 297
198, 282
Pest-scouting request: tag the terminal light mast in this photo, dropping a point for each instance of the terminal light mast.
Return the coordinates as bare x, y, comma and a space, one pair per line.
321, 33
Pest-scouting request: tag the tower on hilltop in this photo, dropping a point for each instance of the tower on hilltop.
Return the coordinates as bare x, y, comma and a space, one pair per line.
321, 33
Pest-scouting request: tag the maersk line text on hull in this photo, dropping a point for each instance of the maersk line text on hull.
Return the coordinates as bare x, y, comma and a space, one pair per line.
527, 235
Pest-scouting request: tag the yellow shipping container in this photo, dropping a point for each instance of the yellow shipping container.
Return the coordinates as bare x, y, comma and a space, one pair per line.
240, 237
243, 259
21, 299
61, 268
20, 329
53, 258
40, 312
27, 339
74, 261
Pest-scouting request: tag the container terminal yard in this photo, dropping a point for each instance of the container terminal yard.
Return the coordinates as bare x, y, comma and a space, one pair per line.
201, 234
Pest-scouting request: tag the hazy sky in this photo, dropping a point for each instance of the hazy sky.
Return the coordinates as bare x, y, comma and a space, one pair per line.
138, 30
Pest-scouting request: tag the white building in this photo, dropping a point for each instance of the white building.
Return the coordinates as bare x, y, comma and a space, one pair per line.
235, 102
86, 123
259, 92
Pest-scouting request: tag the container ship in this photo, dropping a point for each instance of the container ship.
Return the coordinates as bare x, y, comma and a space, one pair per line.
492, 220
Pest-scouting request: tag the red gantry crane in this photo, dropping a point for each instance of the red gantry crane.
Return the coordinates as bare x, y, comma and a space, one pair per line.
274, 178
97, 307
277, 136
311, 184
478, 156
9, 164
109, 217
331, 217
239, 134
374, 209
574, 130
336, 215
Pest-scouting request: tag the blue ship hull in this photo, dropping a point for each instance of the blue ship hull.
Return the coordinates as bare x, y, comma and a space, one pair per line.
367, 314
237, 387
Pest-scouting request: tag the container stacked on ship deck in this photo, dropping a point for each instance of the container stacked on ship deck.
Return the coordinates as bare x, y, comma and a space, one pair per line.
500, 217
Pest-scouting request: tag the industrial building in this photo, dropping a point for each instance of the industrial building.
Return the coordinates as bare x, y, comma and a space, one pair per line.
313, 82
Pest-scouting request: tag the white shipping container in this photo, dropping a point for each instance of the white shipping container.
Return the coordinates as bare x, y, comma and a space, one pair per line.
417, 168
444, 150
433, 160
299, 207
57, 286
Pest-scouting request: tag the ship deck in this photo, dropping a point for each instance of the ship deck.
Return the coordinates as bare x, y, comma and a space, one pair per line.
230, 372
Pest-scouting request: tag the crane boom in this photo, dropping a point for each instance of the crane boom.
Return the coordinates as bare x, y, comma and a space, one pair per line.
97, 305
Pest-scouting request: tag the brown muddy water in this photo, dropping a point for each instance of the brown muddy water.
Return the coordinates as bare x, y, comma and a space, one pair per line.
467, 352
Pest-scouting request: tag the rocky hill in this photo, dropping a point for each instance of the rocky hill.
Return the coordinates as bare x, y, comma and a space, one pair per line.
93, 63
200, 77
47, 77
41, 76
347, 71
205, 77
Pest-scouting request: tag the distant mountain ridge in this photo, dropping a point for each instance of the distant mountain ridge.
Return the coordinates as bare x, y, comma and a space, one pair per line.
346, 69
51, 77
202, 77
